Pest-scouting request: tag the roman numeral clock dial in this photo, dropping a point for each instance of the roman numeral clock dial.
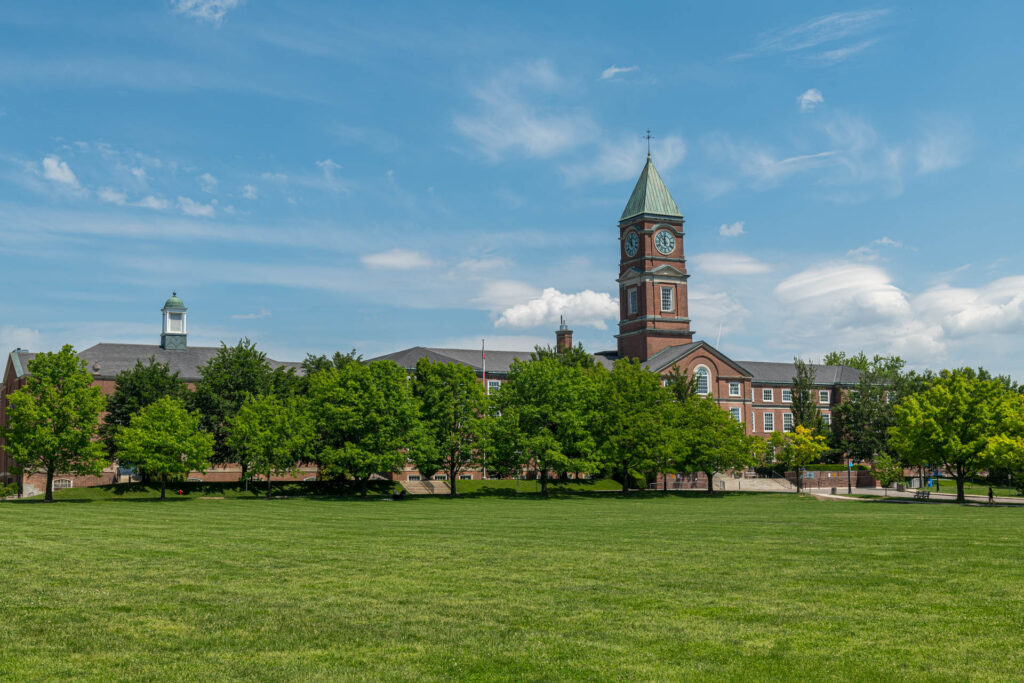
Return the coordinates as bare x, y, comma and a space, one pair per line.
665, 242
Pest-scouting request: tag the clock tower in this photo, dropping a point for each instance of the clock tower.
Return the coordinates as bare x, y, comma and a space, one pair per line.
653, 313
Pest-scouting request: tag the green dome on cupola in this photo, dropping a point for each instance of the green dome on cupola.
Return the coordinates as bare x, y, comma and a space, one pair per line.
174, 301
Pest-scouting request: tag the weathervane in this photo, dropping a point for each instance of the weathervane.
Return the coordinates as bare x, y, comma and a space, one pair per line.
648, 138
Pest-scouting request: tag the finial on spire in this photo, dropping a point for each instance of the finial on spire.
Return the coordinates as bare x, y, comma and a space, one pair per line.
648, 138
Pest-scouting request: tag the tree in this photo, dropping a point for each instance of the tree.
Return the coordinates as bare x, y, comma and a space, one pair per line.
165, 440
861, 420
51, 421
545, 413
631, 419
228, 379
273, 434
134, 390
797, 449
887, 470
1005, 449
451, 403
805, 399
709, 440
365, 417
682, 384
576, 356
952, 421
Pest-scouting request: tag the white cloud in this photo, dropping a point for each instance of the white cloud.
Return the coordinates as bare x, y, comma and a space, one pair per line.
509, 121
139, 173
263, 313
846, 287
193, 208
151, 202
963, 312
731, 230
398, 259
722, 263
12, 337
582, 308
830, 28
944, 146
841, 53
716, 310
622, 160
499, 342
111, 195
497, 295
330, 180
868, 252
250, 192
207, 183
810, 99
212, 11
484, 265
613, 71
59, 172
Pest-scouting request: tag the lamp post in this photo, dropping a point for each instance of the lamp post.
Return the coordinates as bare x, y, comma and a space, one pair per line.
849, 475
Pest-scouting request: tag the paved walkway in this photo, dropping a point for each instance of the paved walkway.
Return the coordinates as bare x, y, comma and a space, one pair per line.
909, 494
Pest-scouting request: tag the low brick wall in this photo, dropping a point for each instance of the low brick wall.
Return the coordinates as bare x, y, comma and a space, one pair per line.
818, 479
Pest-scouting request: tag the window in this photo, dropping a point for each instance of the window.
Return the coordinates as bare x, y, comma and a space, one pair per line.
787, 422
414, 477
310, 478
440, 477
62, 484
766, 395
735, 412
667, 299
465, 477
175, 322
493, 385
826, 418
787, 395
703, 381
823, 396
194, 480
632, 301
769, 422
734, 388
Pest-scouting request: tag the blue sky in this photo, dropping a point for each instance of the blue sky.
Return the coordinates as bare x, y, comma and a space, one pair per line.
320, 176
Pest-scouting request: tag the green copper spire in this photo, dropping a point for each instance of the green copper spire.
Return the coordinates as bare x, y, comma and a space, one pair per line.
650, 196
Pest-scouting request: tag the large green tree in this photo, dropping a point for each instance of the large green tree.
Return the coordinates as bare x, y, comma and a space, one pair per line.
1005, 449
544, 414
452, 404
166, 442
797, 449
631, 420
709, 440
274, 435
862, 418
228, 379
682, 384
365, 417
52, 420
805, 397
135, 389
576, 356
951, 422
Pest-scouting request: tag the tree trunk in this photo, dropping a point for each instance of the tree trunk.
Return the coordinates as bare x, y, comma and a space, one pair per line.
799, 486
625, 481
711, 481
664, 482
543, 483
245, 480
960, 476
48, 497
163, 487
268, 485
453, 472
362, 486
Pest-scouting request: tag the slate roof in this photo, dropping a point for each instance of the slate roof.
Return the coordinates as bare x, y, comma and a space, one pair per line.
783, 373
104, 361
650, 196
498, 362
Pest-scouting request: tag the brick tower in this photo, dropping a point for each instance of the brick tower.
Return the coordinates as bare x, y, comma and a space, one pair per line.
653, 311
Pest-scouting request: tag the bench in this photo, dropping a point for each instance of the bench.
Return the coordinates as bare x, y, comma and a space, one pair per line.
922, 495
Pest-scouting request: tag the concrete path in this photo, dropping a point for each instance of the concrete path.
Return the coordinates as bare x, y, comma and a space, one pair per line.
909, 494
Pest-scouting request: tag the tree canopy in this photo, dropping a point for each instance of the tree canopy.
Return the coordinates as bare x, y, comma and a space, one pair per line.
708, 439
272, 434
135, 389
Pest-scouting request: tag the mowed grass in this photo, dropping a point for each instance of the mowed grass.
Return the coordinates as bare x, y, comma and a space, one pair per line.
579, 586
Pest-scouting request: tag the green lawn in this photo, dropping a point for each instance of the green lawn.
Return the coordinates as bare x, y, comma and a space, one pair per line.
590, 587
974, 489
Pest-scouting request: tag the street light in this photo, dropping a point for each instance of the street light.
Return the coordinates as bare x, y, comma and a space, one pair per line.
849, 475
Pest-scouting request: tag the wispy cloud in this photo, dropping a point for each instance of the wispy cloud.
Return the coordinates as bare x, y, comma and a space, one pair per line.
207, 183
397, 259
810, 99
151, 202
731, 230
263, 313
613, 71
511, 120
59, 172
623, 159
210, 11
723, 263
190, 207
869, 252
250, 192
108, 194
810, 35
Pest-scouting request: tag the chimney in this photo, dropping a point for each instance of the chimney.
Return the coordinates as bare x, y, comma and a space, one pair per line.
563, 337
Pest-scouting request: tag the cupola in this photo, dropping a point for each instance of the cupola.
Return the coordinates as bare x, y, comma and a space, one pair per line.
175, 333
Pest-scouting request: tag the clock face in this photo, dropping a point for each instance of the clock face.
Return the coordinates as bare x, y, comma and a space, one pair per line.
665, 242
632, 244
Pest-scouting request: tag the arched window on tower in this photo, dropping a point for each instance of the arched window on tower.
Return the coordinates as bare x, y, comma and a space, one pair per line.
703, 381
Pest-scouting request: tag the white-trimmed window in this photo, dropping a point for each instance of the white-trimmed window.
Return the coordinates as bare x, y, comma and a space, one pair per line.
465, 477
735, 412
440, 477
734, 388
823, 396
631, 297
787, 422
414, 477
194, 480
668, 299
769, 422
176, 322
767, 395
62, 484
787, 395
826, 418
703, 381
493, 385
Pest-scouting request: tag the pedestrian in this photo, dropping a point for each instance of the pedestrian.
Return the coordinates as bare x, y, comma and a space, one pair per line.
990, 497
